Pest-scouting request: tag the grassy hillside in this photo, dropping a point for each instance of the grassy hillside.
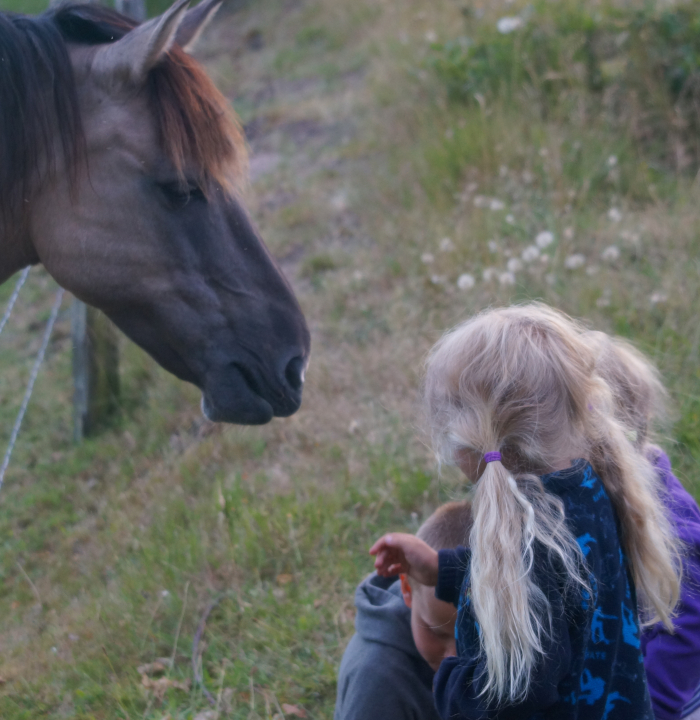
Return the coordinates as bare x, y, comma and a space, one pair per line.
405, 159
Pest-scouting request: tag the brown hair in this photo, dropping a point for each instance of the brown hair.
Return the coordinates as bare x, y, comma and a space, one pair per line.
448, 527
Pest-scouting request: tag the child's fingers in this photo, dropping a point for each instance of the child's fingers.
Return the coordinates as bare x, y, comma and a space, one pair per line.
384, 541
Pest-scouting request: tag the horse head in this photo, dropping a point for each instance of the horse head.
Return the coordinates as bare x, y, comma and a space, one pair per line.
134, 205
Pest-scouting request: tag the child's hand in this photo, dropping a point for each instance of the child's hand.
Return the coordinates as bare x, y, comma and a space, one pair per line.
402, 553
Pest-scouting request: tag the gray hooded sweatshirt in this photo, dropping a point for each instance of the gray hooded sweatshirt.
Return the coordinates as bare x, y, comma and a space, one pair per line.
382, 676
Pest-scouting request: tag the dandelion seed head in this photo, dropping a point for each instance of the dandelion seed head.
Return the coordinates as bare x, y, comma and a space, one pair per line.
614, 215
658, 297
575, 261
493, 246
612, 161
480, 201
496, 204
528, 177
466, 281
446, 245
489, 274
514, 265
530, 253
610, 254
427, 258
544, 239
509, 24
438, 279
431, 36
510, 219
592, 270
506, 279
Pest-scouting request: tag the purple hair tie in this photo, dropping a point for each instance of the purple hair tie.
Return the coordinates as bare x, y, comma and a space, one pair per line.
492, 456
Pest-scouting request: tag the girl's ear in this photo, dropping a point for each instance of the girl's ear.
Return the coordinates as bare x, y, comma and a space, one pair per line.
406, 590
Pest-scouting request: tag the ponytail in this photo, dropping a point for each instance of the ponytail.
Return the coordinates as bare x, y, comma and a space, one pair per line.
512, 515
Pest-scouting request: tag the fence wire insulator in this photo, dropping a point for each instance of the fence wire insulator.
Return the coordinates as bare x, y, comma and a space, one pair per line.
13, 298
32, 379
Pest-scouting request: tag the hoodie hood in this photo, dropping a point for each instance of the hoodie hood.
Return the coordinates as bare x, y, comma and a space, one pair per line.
382, 615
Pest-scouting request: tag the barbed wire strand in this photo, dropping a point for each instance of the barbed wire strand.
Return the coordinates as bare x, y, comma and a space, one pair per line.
13, 298
30, 385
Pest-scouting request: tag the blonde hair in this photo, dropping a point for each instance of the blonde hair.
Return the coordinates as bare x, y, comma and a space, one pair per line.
523, 381
638, 392
448, 526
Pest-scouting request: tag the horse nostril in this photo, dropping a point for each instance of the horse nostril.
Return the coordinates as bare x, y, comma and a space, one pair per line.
294, 373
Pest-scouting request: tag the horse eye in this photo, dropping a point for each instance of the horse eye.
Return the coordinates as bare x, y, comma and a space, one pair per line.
179, 194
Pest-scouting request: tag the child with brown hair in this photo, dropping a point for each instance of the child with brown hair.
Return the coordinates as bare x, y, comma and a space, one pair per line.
403, 634
546, 594
671, 660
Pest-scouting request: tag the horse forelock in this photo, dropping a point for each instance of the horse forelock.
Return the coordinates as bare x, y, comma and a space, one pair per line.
40, 114
195, 122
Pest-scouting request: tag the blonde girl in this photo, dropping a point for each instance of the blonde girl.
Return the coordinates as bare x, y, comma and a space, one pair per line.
671, 660
569, 534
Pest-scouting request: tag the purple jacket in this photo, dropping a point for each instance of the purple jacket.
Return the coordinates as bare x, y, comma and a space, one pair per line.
672, 662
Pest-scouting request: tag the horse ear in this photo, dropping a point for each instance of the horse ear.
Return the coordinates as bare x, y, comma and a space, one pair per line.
194, 22
130, 58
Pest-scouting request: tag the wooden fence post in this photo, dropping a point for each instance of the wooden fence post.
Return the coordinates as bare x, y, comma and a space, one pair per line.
95, 370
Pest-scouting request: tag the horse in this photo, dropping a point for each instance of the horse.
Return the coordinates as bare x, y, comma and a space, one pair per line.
121, 167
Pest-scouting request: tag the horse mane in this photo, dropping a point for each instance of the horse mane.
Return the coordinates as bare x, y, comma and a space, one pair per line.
40, 113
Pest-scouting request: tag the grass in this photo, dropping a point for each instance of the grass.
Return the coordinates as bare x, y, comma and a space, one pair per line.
112, 551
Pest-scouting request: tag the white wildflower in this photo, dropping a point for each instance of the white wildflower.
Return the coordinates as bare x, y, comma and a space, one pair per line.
610, 254
493, 246
612, 161
658, 297
480, 201
544, 239
510, 219
614, 215
489, 274
507, 24
164, 593
514, 265
431, 36
506, 278
427, 258
446, 245
496, 204
530, 253
466, 281
575, 261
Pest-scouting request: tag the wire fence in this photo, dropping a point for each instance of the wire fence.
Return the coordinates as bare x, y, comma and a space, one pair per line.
35, 368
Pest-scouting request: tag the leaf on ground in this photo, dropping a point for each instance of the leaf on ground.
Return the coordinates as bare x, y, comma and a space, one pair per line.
207, 715
152, 668
162, 685
293, 710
